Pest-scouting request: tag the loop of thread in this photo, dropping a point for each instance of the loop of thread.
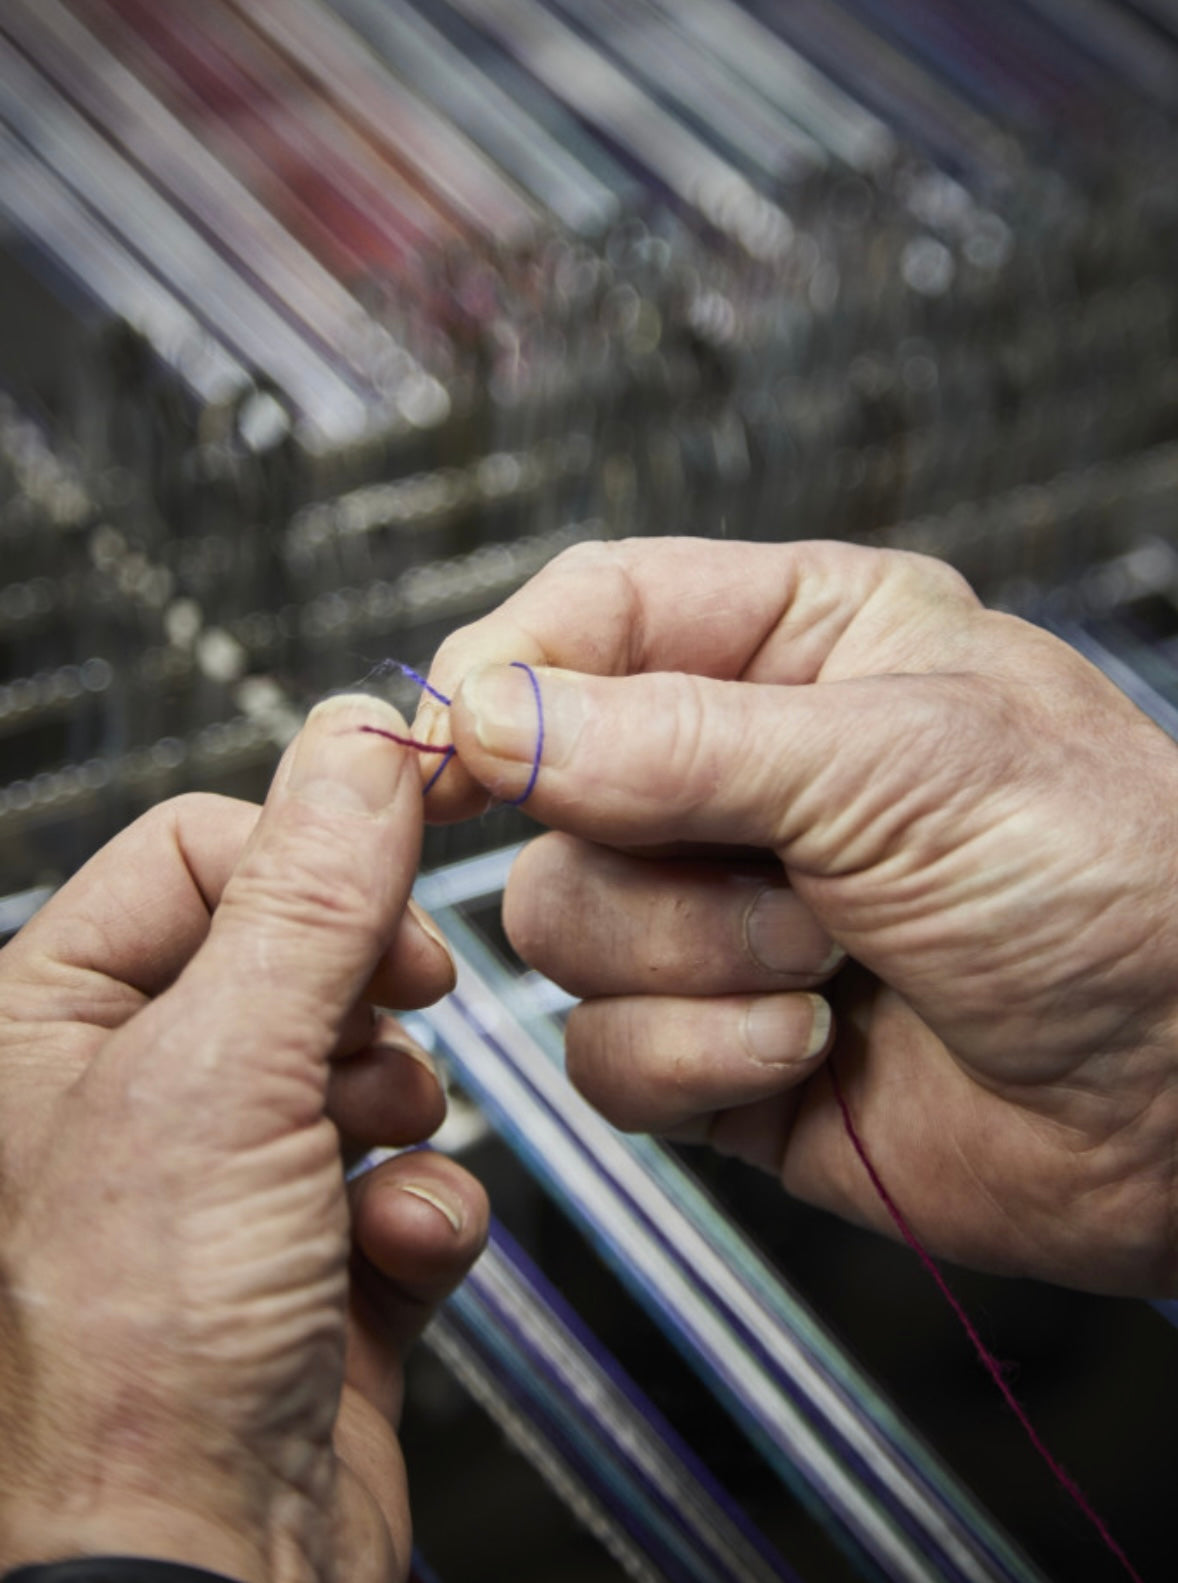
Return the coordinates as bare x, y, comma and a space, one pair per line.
989, 1362
514, 802
447, 753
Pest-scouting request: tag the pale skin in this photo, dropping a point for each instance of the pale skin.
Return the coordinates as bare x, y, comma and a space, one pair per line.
202, 1328
758, 760
953, 798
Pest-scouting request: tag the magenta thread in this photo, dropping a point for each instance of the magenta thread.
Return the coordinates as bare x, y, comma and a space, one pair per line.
406, 742
447, 753
989, 1362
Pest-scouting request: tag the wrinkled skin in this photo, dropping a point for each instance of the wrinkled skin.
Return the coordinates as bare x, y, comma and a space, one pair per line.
202, 1329
952, 797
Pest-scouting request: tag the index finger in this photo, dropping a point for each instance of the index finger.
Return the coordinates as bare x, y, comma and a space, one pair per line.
121, 929
786, 613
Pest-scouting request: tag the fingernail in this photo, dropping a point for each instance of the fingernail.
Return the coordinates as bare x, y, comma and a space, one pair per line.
442, 1202
421, 919
502, 704
833, 958
820, 1027
431, 723
341, 761
780, 936
781, 1030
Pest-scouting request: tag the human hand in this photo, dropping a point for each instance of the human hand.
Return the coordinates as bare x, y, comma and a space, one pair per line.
955, 798
201, 1329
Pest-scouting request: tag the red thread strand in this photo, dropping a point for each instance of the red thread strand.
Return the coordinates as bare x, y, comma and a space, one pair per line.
989, 1362
406, 742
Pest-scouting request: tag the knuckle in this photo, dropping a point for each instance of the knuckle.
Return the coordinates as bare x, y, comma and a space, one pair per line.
198, 802
691, 772
602, 573
590, 555
172, 814
175, 821
451, 658
969, 734
609, 558
929, 577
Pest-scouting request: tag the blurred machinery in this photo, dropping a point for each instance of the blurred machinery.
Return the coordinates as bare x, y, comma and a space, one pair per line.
323, 325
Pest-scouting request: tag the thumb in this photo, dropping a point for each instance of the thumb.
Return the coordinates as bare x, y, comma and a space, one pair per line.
311, 904
807, 771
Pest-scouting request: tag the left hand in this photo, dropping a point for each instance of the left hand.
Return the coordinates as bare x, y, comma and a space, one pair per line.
963, 803
201, 1329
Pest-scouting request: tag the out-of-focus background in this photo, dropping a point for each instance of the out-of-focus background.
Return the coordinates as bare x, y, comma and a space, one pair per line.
323, 325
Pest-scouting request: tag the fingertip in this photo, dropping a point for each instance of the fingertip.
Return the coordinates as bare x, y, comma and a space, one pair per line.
364, 708
534, 876
821, 1029
502, 722
336, 761
834, 960
787, 1032
449, 791
418, 968
783, 938
419, 924
649, 1062
387, 1095
421, 1220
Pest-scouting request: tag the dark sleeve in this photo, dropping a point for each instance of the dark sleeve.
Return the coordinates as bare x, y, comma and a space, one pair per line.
113, 1569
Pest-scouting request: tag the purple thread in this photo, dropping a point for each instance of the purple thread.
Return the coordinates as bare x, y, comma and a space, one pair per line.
514, 802
436, 776
989, 1362
411, 742
415, 676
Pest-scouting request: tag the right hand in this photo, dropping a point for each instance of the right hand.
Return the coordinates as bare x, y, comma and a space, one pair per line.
955, 798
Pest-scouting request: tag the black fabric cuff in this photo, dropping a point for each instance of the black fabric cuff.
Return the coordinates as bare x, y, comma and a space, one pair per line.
113, 1569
